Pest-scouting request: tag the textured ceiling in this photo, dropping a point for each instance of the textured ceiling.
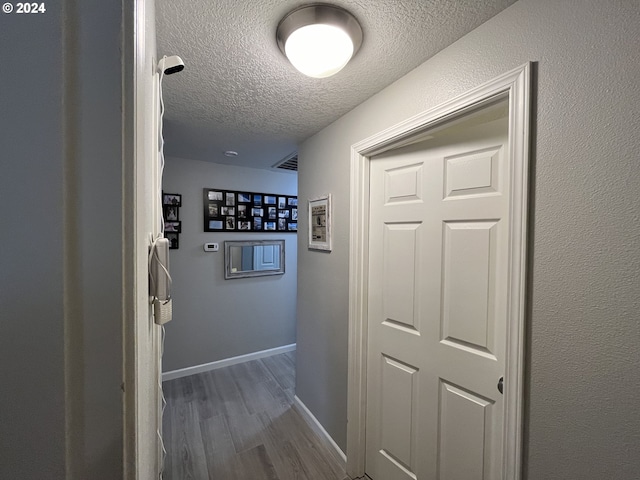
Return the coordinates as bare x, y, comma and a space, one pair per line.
238, 92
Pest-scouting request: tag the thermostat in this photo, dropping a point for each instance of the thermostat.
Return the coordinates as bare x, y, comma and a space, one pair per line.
211, 247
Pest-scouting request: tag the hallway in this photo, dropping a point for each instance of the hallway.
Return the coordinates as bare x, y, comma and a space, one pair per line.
238, 423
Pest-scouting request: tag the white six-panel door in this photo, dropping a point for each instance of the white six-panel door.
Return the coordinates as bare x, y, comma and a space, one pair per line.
437, 306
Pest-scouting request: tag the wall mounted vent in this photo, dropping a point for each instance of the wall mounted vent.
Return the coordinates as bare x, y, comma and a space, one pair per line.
289, 163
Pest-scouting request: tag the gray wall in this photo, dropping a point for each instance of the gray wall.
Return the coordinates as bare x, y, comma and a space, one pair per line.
31, 283
214, 318
62, 260
583, 321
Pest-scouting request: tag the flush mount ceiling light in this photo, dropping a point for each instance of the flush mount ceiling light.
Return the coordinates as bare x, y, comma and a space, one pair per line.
319, 39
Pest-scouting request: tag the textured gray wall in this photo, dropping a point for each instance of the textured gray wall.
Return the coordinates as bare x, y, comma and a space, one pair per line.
214, 318
62, 258
31, 257
583, 320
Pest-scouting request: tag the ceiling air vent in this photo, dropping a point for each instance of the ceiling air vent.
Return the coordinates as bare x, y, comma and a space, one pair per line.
290, 163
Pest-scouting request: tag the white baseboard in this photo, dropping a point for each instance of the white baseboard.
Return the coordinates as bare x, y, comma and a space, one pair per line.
185, 372
317, 427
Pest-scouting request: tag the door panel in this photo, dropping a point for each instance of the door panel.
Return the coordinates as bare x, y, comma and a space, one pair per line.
472, 173
404, 184
468, 273
465, 420
265, 257
437, 305
399, 388
401, 269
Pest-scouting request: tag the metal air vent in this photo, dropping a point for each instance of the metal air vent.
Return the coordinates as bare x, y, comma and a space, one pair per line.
289, 163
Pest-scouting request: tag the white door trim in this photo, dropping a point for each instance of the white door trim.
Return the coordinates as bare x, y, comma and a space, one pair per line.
516, 85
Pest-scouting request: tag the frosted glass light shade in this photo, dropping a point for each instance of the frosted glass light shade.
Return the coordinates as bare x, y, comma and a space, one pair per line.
319, 50
319, 40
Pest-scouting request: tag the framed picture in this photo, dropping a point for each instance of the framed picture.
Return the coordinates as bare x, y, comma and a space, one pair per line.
173, 227
214, 195
171, 213
320, 223
171, 203
174, 199
229, 211
173, 240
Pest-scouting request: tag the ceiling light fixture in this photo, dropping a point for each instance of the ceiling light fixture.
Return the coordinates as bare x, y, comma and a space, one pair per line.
319, 39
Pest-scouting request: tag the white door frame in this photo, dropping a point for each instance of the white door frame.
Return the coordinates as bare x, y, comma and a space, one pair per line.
516, 86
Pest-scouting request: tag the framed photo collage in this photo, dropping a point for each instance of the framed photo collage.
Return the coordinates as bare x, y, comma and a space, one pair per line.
231, 211
171, 203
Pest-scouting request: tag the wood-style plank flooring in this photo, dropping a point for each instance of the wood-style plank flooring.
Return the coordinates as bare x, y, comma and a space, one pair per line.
238, 423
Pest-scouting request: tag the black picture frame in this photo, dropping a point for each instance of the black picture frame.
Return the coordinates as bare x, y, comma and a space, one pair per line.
171, 203
173, 227
174, 240
171, 213
227, 211
172, 199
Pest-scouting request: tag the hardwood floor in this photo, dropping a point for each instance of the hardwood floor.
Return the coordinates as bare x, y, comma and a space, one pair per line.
238, 423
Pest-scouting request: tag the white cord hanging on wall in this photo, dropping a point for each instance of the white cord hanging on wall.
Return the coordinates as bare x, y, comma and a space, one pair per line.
159, 277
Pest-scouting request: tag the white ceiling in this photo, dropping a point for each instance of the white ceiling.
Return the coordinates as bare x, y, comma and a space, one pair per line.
238, 92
